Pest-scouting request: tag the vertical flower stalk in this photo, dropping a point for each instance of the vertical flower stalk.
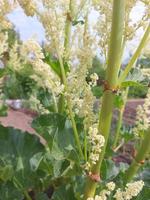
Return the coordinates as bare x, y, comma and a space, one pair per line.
143, 151
114, 62
62, 61
68, 26
71, 114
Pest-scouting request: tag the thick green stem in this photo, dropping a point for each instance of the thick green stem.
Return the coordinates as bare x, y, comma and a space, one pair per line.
135, 55
119, 122
114, 62
143, 151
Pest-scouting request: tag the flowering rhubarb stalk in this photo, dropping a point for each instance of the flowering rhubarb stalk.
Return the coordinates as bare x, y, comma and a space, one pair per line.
68, 26
113, 67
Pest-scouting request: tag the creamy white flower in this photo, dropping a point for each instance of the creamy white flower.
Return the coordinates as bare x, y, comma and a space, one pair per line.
97, 197
29, 6
131, 190
31, 50
142, 117
119, 195
111, 186
146, 72
97, 141
6, 6
94, 78
3, 43
90, 198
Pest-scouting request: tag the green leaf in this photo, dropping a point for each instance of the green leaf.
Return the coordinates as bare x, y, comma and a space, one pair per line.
3, 72
74, 23
59, 135
49, 120
9, 192
136, 75
145, 175
118, 101
97, 91
126, 84
41, 196
3, 110
48, 125
17, 148
64, 193
111, 170
6, 173
55, 64
36, 160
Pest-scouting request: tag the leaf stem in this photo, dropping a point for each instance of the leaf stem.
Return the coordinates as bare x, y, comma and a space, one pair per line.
135, 56
55, 102
143, 151
119, 122
85, 145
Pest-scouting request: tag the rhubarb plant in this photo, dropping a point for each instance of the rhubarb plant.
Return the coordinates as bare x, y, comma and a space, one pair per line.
72, 156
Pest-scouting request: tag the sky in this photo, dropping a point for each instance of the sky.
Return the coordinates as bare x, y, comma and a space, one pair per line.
26, 26
30, 26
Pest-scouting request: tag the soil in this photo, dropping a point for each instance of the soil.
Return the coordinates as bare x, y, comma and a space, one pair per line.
22, 118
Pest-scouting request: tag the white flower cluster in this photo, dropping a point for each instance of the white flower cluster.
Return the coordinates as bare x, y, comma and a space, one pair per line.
36, 105
111, 186
97, 197
29, 54
96, 141
53, 19
44, 76
79, 89
3, 42
146, 72
104, 193
133, 25
31, 50
15, 61
143, 116
29, 6
94, 78
103, 24
6, 6
131, 190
